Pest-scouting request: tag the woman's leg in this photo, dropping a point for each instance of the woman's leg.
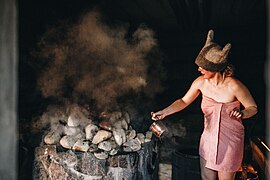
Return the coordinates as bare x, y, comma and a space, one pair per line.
226, 175
206, 173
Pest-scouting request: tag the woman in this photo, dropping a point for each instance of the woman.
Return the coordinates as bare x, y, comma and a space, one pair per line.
222, 141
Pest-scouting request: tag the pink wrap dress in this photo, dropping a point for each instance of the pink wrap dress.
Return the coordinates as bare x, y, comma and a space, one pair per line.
222, 140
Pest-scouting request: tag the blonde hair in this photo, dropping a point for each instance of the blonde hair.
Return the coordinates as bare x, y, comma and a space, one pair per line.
228, 71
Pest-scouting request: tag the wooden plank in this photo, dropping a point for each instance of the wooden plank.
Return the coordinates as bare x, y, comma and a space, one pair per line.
8, 89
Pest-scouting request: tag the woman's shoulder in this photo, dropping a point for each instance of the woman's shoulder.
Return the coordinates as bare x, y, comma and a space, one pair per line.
199, 81
234, 83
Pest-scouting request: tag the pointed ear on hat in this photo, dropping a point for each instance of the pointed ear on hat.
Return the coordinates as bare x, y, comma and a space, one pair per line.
226, 49
210, 37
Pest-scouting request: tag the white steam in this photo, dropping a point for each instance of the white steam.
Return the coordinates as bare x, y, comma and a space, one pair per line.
91, 60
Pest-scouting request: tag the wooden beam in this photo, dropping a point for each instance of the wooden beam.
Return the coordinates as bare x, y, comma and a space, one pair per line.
8, 89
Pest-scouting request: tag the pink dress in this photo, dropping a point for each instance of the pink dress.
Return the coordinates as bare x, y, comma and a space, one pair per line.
222, 141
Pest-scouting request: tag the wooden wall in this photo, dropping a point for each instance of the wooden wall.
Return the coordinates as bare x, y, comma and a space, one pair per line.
267, 74
8, 89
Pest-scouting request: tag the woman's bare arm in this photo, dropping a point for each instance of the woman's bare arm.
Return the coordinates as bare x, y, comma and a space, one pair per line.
244, 96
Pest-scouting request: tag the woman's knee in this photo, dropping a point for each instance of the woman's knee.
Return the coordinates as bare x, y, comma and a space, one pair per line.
226, 175
206, 173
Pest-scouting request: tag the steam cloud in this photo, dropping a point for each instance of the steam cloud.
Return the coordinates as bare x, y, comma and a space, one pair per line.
92, 60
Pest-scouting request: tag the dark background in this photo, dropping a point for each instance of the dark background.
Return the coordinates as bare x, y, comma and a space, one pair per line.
180, 27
